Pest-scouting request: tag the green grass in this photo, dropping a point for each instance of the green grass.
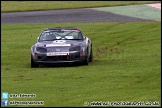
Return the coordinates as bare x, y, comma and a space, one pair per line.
12, 6
126, 65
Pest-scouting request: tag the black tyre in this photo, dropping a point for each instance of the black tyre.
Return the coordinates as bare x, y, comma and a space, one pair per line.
91, 56
33, 65
86, 62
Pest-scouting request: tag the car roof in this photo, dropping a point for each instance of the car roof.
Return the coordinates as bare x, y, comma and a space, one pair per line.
59, 28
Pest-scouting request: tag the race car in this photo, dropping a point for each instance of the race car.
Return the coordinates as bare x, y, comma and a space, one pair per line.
61, 45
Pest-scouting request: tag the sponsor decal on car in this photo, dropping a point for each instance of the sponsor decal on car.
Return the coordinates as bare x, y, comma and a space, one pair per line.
70, 30
59, 41
57, 53
53, 45
77, 30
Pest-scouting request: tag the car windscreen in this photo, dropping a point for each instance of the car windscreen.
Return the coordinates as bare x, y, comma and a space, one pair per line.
51, 35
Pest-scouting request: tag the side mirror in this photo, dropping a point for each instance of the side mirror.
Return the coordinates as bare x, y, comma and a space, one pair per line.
37, 39
84, 37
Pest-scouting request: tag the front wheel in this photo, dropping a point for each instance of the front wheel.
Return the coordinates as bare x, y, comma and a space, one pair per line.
91, 56
33, 65
85, 62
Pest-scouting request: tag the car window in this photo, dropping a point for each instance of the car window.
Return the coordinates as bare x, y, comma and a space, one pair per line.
45, 36
59, 35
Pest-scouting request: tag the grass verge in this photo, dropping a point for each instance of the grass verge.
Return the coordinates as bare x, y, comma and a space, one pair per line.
126, 65
16, 6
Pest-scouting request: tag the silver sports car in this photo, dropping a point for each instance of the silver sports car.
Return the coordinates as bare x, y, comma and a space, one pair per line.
61, 45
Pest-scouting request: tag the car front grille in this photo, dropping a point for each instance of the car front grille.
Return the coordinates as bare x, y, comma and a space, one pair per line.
74, 56
56, 58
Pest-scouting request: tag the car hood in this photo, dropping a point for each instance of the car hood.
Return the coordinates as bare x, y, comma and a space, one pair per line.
60, 45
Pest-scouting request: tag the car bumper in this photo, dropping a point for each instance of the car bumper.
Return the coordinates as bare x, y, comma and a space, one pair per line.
58, 62
71, 58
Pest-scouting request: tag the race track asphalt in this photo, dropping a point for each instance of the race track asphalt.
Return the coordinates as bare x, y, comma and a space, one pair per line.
68, 15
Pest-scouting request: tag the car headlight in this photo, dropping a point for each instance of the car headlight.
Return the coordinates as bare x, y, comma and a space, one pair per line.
82, 51
75, 48
40, 49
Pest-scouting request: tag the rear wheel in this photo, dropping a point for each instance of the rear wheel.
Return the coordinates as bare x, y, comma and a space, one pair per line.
33, 65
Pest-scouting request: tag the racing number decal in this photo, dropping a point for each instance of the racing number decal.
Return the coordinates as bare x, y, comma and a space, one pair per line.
59, 41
